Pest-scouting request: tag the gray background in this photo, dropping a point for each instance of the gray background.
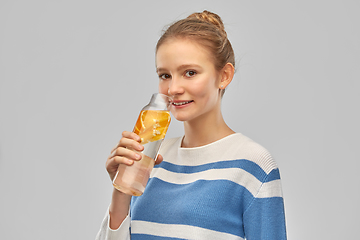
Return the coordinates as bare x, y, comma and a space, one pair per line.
74, 75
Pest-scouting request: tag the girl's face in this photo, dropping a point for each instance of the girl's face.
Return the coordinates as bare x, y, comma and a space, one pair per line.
187, 73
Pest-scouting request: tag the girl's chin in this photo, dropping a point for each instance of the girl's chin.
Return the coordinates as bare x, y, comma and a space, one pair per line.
180, 117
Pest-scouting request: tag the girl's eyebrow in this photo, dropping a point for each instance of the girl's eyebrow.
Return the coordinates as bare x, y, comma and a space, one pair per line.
160, 70
184, 66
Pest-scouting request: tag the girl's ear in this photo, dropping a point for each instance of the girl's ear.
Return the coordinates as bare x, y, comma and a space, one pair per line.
227, 74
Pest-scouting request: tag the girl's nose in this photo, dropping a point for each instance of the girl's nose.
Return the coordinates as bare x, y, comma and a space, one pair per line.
175, 87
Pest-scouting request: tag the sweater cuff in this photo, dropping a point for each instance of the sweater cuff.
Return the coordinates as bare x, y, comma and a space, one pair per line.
122, 232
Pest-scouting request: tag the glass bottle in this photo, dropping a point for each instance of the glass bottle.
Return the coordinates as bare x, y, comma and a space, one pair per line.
151, 126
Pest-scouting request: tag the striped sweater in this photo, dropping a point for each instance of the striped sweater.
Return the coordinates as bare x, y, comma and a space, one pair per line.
229, 189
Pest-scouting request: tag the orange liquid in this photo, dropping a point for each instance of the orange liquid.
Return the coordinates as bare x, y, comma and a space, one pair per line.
152, 125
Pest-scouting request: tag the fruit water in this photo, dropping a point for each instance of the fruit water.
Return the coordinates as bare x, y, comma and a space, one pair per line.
151, 126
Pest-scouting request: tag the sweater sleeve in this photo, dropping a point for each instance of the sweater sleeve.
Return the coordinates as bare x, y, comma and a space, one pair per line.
265, 216
106, 233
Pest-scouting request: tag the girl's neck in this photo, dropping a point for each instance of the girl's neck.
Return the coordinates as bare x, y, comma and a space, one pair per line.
204, 131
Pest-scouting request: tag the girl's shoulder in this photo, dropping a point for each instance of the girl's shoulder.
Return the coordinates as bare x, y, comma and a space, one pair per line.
245, 148
233, 147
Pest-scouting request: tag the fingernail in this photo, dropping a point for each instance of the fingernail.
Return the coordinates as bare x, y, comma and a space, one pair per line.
138, 156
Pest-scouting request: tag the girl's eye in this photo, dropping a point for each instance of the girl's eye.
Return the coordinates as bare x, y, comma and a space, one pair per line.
164, 76
190, 73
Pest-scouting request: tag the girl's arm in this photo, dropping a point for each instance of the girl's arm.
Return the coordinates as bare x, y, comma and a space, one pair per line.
264, 219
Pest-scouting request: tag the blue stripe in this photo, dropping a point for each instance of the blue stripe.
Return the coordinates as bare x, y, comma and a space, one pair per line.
244, 164
150, 237
269, 214
202, 203
273, 175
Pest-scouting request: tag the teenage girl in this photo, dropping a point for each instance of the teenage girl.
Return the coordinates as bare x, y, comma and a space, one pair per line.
211, 183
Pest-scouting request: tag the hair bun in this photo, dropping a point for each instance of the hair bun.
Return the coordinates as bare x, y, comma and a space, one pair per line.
210, 17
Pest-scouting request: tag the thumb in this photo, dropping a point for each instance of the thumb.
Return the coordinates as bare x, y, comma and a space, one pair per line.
159, 159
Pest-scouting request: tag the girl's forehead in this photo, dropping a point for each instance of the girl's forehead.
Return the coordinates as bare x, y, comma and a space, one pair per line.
181, 42
181, 49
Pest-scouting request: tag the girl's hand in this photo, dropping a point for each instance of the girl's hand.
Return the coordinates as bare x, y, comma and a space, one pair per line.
122, 153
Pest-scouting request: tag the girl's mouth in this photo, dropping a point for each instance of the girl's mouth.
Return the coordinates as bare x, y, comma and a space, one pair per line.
178, 103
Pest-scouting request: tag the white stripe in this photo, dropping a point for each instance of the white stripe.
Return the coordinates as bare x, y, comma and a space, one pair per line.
270, 189
235, 146
179, 231
237, 175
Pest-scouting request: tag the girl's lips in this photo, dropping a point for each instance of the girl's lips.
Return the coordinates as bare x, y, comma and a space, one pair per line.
179, 104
